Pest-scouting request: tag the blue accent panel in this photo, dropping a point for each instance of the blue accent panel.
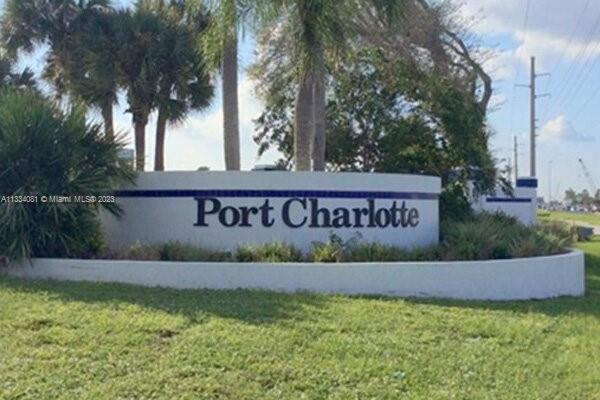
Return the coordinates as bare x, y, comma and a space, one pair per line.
279, 193
527, 182
507, 200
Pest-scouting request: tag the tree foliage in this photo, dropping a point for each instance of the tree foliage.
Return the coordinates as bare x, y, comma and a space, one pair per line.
47, 151
94, 51
17, 80
384, 116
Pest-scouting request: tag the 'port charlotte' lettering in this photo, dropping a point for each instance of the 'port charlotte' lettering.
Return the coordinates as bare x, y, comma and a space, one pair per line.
306, 212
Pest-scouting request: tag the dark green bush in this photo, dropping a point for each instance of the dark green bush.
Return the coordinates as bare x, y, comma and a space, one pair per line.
268, 252
495, 236
46, 151
479, 238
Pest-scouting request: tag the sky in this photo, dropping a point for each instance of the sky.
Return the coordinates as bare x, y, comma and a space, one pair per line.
564, 36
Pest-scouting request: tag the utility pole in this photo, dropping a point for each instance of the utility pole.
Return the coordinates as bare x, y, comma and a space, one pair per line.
516, 151
532, 119
549, 182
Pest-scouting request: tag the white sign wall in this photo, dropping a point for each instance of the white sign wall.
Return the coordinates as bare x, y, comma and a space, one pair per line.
223, 210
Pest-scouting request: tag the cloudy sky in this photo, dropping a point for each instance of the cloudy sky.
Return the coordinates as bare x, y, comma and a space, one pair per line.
564, 36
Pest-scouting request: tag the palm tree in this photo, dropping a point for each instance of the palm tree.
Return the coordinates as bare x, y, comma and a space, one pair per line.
317, 33
78, 62
63, 154
183, 83
138, 32
22, 80
94, 77
220, 44
312, 27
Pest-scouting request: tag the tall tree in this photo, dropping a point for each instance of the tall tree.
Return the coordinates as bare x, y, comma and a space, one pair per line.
94, 77
292, 48
183, 82
221, 44
316, 34
313, 27
79, 61
138, 32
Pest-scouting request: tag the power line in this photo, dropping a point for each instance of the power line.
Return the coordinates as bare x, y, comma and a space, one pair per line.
572, 35
581, 78
566, 46
518, 70
569, 76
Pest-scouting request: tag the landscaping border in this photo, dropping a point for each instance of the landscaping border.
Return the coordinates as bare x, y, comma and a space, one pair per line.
510, 279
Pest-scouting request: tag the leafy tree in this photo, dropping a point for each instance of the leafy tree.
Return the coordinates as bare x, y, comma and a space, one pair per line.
384, 116
571, 196
183, 82
430, 38
48, 151
412, 123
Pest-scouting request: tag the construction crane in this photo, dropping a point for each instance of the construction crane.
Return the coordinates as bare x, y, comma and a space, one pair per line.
588, 176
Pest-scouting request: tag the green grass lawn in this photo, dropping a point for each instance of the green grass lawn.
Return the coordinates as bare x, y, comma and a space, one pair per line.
592, 219
91, 341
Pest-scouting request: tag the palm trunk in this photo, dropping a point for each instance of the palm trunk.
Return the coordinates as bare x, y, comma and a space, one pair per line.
304, 123
107, 116
320, 140
139, 122
231, 130
159, 152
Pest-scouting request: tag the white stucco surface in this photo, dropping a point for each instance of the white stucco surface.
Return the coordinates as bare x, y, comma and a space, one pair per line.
158, 215
515, 279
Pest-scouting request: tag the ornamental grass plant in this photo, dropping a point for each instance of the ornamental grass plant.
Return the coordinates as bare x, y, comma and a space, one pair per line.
47, 151
479, 237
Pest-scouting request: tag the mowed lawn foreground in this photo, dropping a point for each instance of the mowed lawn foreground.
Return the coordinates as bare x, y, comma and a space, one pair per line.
91, 341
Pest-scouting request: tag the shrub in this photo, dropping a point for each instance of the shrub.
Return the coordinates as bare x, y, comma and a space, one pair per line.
377, 252
560, 229
177, 251
371, 252
333, 250
47, 151
496, 236
481, 237
137, 251
269, 252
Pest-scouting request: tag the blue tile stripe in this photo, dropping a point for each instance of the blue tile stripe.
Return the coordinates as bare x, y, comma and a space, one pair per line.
527, 182
279, 193
508, 200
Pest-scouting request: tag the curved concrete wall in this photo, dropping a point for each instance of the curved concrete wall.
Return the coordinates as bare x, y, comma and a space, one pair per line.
226, 209
515, 279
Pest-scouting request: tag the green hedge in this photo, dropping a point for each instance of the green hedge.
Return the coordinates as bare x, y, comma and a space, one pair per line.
479, 237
